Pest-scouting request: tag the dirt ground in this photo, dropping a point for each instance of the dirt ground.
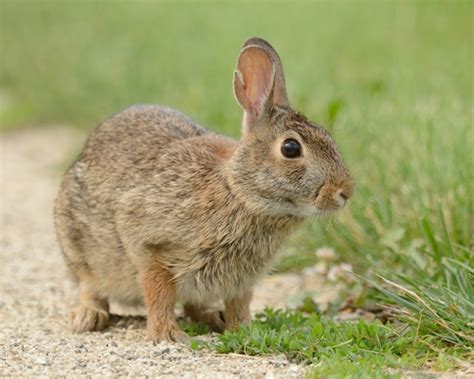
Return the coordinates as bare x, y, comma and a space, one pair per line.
36, 293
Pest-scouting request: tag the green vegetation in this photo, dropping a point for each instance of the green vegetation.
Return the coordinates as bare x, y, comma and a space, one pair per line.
392, 81
359, 349
437, 296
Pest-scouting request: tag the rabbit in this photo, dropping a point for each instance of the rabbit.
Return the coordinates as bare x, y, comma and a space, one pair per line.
158, 209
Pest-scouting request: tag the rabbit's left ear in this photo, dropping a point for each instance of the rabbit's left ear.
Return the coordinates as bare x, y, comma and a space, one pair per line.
280, 96
253, 82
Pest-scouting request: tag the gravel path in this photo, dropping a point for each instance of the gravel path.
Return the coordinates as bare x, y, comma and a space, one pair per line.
36, 294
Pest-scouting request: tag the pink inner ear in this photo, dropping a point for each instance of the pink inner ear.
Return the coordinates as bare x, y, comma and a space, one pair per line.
257, 70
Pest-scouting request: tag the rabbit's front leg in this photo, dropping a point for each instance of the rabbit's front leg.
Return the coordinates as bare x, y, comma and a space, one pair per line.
237, 310
160, 296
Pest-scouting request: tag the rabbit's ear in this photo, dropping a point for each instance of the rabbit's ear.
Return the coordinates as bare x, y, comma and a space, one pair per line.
253, 82
280, 96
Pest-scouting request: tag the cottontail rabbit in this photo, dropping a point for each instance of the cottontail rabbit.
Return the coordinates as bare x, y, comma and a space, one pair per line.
158, 208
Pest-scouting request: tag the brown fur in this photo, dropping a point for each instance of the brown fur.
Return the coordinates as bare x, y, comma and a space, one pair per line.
237, 310
158, 208
160, 297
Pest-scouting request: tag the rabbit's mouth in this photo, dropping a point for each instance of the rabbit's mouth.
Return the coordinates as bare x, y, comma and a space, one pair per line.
325, 205
320, 204
331, 197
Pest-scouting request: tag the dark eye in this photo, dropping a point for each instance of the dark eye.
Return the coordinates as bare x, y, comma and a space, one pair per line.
291, 148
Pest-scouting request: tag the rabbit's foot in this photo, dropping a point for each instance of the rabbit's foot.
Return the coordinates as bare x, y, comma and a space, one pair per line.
213, 318
237, 322
86, 319
170, 334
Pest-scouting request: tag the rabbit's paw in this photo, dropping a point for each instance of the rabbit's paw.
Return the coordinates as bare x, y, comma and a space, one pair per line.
85, 319
236, 324
168, 335
235, 321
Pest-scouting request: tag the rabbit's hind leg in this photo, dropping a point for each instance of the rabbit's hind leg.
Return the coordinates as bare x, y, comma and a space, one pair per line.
202, 314
92, 313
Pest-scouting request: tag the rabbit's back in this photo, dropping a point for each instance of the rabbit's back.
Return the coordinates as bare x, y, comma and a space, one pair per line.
129, 150
138, 130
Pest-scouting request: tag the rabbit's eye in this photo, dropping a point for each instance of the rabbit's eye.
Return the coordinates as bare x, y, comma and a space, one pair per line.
291, 148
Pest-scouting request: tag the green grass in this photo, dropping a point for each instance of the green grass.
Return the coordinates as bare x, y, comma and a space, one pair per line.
391, 80
437, 296
358, 349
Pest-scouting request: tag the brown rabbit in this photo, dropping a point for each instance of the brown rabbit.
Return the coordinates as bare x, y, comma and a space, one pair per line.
158, 209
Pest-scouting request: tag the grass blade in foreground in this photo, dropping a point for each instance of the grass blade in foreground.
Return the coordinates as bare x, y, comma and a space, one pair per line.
439, 299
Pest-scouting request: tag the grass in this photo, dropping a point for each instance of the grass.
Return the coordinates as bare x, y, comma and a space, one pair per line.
437, 297
392, 81
358, 349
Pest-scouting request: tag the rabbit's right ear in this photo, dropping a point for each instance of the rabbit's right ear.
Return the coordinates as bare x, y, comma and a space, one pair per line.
253, 83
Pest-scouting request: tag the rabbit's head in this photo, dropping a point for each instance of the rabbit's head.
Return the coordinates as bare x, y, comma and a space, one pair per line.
284, 163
